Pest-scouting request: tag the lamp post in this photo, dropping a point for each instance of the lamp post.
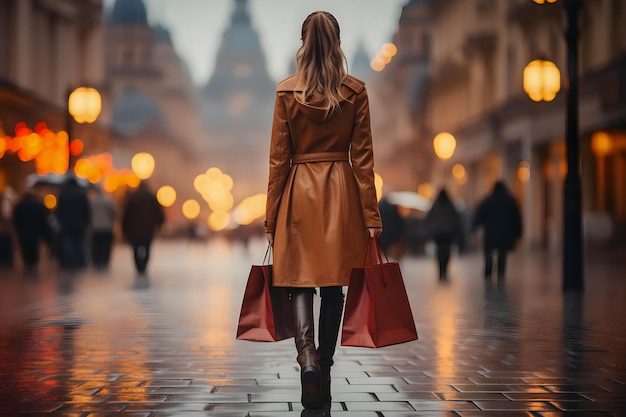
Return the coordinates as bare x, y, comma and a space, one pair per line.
573, 274
84, 105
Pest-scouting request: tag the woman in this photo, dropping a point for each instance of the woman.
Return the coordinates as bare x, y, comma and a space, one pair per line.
321, 200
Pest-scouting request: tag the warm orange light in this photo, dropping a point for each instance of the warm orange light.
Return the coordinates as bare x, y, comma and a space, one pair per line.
218, 220
85, 104
383, 57
390, 49
142, 165
444, 144
425, 190
377, 64
544, 1
191, 209
523, 171
50, 201
458, 171
166, 196
250, 209
601, 144
76, 147
542, 80
110, 183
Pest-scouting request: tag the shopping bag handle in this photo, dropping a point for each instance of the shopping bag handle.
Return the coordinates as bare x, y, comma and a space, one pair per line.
379, 248
268, 251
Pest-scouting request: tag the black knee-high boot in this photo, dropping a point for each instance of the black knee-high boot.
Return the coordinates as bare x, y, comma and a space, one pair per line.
330, 321
302, 307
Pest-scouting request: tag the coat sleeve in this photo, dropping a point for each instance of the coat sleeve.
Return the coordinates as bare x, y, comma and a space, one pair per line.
280, 155
362, 157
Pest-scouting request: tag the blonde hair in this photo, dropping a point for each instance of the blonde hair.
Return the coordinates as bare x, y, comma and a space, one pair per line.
320, 60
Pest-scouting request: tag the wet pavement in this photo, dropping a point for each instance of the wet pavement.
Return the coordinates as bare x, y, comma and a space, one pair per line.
107, 344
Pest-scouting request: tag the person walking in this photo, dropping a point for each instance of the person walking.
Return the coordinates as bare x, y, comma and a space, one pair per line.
74, 217
142, 217
393, 237
104, 214
7, 204
30, 220
444, 225
321, 201
500, 218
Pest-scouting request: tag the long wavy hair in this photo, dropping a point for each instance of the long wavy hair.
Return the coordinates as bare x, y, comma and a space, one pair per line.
320, 61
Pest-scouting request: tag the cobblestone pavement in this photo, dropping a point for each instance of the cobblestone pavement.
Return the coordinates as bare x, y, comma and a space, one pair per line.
106, 344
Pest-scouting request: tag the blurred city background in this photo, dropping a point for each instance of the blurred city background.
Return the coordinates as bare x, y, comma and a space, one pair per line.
178, 95
463, 93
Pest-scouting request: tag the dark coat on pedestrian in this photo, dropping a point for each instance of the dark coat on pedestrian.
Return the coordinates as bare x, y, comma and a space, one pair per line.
393, 224
500, 218
73, 211
443, 220
30, 219
142, 216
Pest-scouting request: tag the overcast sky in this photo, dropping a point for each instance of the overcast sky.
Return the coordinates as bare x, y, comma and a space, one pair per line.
197, 26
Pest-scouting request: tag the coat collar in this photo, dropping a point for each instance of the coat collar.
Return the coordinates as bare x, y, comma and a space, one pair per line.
351, 85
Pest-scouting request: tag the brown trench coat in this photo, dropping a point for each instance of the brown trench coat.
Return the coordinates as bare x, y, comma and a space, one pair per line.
321, 196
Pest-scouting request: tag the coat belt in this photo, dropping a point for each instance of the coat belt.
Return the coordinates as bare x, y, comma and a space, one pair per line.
303, 158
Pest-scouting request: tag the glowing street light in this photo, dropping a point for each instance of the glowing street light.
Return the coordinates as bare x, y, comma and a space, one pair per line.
444, 144
542, 80
166, 196
84, 105
142, 165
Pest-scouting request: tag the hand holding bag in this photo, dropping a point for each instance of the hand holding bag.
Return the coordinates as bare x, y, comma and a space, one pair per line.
265, 310
377, 311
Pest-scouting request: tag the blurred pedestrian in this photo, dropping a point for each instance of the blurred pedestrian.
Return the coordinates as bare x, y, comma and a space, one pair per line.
320, 207
142, 217
500, 218
393, 237
7, 203
30, 219
443, 222
73, 214
103, 215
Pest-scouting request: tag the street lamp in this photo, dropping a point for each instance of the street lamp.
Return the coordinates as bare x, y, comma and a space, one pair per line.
444, 144
142, 164
84, 105
573, 274
542, 80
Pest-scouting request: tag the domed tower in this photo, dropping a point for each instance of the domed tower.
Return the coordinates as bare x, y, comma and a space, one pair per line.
240, 82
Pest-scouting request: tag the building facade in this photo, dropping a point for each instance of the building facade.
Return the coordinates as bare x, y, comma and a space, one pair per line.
475, 92
46, 49
151, 102
397, 100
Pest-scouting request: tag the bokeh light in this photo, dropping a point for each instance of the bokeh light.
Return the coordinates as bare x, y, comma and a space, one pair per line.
444, 144
218, 220
191, 209
250, 209
142, 165
166, 196
50, 201
425, 190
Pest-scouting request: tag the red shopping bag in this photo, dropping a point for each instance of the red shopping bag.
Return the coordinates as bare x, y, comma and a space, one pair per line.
377, 311
265, 310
